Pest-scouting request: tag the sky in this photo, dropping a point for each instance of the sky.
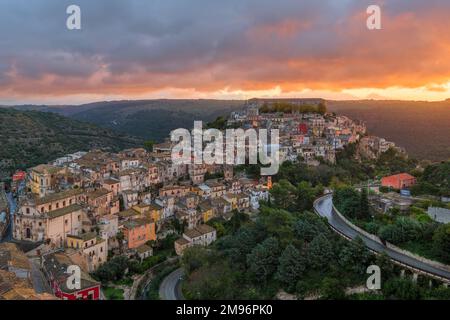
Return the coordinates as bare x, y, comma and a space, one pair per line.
233, 49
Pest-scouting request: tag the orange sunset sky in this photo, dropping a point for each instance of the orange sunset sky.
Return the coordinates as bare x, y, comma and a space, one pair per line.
223, 49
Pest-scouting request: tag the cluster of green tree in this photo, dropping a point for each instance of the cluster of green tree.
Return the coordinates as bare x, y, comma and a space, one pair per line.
293, 251
413, 229
30, 138
403, 288
225, 227
112, 293
346, 170
219, 123
217, 175
393, 162
148, 145
113, 270
286, 107
426, 238
352, 203
295, 198
434, 180
121, 267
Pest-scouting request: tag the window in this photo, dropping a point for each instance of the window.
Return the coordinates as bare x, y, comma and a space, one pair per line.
57, 205
79, 217
64, 203
50, 208
66, 222
28, 210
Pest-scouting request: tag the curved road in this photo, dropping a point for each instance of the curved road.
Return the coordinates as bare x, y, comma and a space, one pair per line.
170, 288
323, 206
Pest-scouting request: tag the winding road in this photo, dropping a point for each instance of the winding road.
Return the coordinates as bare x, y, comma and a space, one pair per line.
324, 207
170, 288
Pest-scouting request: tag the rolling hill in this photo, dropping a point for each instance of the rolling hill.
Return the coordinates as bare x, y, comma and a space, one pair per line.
423, 128
28, 138
148, 119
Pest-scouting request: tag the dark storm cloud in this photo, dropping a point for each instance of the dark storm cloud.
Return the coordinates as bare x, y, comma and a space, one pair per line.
210, 44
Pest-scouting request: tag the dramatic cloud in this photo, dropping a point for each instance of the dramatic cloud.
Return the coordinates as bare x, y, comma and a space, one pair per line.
232, 49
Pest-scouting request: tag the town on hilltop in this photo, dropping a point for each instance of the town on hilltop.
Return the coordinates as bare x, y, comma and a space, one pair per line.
87, 208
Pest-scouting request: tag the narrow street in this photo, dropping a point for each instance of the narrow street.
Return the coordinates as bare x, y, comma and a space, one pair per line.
12, 208
40, 285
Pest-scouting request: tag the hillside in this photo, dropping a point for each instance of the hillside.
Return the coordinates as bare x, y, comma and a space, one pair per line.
423, 128
420, 127
29, 138
149, 119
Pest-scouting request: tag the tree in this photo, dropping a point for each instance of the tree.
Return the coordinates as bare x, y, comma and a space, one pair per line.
291, 266
284, 194
354, 256
332, 289
112, 270
195, 257
239, 245
347, 200
364, 211
401, 288
308, 226
263, 259
404, 229
277, 223
148, 145
320, 253
441, 242
305, 196
386, 266
237, 220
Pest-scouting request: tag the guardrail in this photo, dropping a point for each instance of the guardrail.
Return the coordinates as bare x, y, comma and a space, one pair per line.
387, 245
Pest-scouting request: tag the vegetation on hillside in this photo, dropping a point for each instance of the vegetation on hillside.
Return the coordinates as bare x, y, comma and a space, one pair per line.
29, 138
413, 229
287, 107
419, 126
435, 180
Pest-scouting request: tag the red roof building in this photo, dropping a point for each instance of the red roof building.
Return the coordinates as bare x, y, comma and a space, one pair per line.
55, 268
399, 181
302, 128
19, 176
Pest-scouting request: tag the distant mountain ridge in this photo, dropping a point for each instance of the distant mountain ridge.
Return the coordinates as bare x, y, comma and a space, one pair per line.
420, 127
148, 119
29, 138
